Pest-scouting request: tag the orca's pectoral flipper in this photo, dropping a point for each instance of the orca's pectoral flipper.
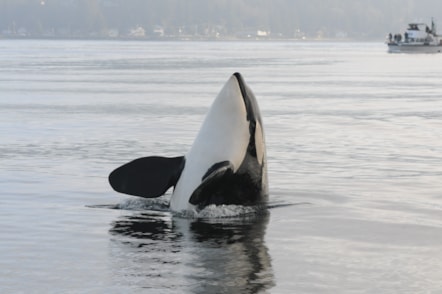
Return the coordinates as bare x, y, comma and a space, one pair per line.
215, 186
147, 177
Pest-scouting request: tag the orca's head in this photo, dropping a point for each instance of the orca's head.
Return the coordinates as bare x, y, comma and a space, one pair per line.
230, 142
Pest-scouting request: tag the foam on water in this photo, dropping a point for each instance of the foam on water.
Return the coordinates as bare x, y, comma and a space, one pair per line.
161, 204
139, 204
225, 211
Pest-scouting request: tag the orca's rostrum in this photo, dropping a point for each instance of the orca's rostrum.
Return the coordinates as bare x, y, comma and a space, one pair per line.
225, 165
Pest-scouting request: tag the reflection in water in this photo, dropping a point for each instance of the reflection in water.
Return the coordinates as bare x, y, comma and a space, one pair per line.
157, 251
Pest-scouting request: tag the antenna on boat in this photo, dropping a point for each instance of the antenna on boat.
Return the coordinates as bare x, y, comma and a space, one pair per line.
433, 27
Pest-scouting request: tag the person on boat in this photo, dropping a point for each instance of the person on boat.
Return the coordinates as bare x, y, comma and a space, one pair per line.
406, 37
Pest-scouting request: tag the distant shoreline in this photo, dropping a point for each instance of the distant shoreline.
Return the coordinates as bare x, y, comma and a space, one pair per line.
189, 39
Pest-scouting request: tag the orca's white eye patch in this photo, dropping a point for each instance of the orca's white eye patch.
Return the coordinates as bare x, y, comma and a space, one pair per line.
259, 143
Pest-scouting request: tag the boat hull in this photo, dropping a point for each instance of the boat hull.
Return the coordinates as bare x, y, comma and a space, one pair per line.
409, 48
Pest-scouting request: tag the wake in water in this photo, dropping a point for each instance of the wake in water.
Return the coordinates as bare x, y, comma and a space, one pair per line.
161, 204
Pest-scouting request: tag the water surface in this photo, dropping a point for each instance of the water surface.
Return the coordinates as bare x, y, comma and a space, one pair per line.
353, 140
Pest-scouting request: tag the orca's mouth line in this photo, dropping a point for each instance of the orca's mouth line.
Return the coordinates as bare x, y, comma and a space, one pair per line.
245, 96
241, 84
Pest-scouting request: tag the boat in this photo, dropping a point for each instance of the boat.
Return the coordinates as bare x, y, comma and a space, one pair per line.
418, 38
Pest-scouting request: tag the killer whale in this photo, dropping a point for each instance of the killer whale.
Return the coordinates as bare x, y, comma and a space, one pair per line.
225, 165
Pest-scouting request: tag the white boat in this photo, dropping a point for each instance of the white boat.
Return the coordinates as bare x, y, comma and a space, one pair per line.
418, 38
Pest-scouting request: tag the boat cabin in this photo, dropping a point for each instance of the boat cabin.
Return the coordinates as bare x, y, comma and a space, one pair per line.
419, 33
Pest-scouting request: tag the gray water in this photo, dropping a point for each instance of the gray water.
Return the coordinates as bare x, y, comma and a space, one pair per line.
354, 147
